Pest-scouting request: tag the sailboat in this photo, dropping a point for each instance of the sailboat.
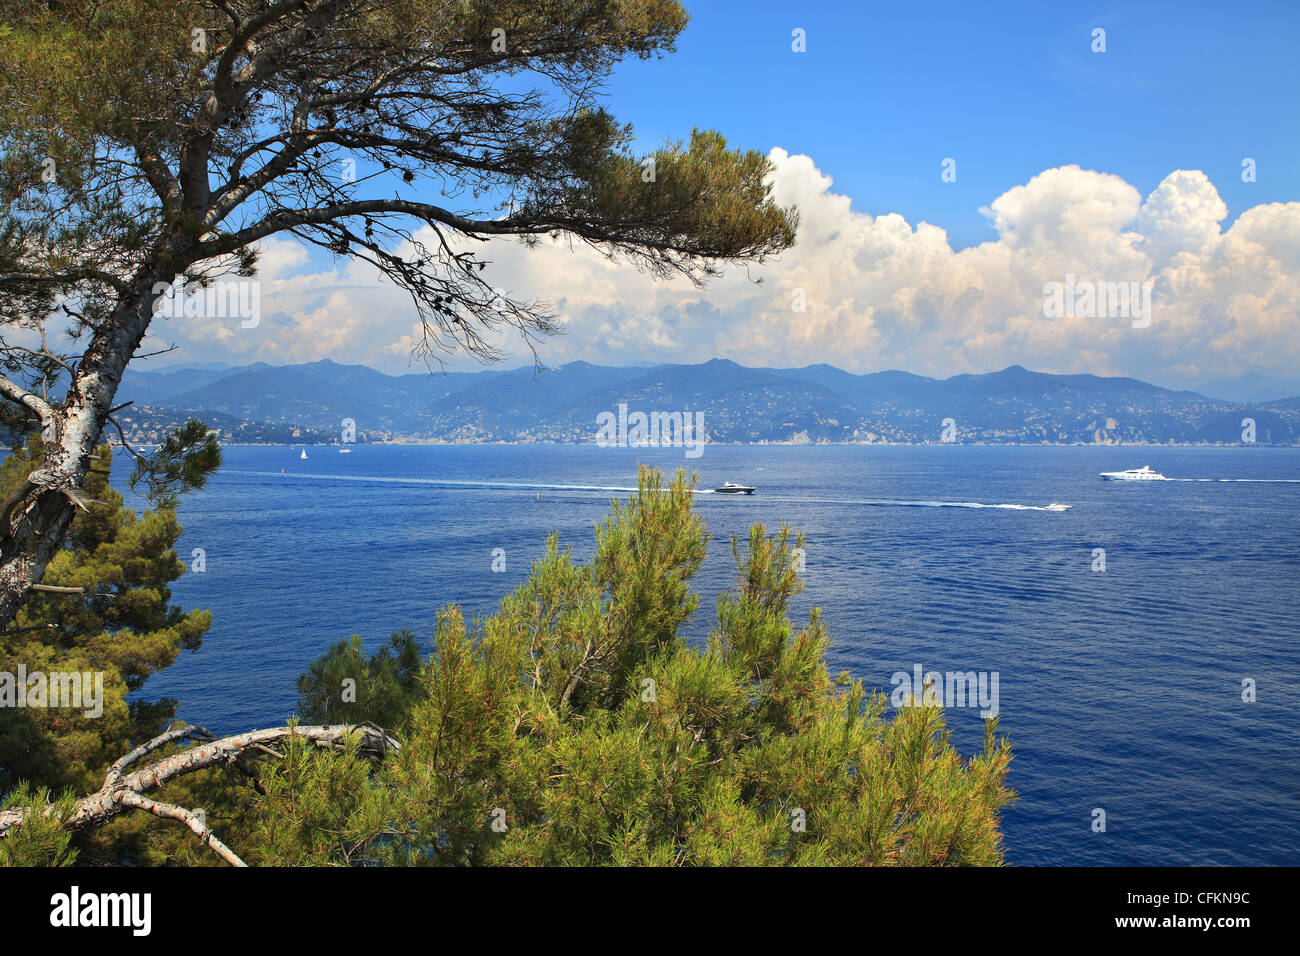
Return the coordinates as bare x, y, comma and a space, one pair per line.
304, 453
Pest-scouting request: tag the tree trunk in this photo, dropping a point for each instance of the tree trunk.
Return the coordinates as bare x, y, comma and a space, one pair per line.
36, 517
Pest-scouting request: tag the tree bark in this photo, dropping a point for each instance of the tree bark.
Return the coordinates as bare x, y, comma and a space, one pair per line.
36, 517
122, 791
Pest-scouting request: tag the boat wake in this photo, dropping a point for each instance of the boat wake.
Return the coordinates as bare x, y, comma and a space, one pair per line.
1257, 481
543, 486
909, 503
443, 482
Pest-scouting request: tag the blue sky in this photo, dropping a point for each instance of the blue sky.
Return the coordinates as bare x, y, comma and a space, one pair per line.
1123, 166
886, 91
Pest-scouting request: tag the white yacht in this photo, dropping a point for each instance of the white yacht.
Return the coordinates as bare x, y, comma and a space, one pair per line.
731, 488
1134, 474
1057, 507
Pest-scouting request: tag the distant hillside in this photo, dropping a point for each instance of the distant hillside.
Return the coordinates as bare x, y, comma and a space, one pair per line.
813, 404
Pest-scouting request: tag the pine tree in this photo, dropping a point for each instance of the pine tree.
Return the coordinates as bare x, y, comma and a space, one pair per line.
344, 685
118, 621
146, 143
576, 726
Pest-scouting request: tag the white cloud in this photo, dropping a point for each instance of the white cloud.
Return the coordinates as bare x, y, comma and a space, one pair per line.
880, 292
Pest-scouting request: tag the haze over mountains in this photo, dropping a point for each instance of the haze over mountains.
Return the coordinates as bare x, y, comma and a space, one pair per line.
813, 404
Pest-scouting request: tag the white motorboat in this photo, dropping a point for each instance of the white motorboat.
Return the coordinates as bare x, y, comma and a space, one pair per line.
1057, 507
731, 488
1134, 474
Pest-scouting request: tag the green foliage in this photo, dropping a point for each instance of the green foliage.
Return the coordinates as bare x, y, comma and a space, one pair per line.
123, 626
712, 201
182, 462
40, 840
493, 103
382, 687
579, 722
573, 727
317, 809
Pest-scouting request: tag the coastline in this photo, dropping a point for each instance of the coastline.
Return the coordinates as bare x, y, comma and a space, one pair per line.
758, 444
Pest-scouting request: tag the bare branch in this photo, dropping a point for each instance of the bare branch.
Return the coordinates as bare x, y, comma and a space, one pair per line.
33, 403
84, 274
176, 732
188, 817
121, 792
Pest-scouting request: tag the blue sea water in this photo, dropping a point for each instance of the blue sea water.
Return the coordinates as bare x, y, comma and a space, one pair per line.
1120, 690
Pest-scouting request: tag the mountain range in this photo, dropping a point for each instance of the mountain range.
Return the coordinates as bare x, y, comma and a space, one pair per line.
817, 403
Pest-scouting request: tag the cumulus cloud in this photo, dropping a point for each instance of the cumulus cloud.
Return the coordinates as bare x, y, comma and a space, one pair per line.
877, 291
883, 294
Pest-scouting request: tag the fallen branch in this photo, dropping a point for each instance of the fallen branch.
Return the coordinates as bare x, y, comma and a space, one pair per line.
122, 791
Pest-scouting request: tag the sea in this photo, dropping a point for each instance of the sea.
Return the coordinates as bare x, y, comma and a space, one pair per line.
1145, 643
